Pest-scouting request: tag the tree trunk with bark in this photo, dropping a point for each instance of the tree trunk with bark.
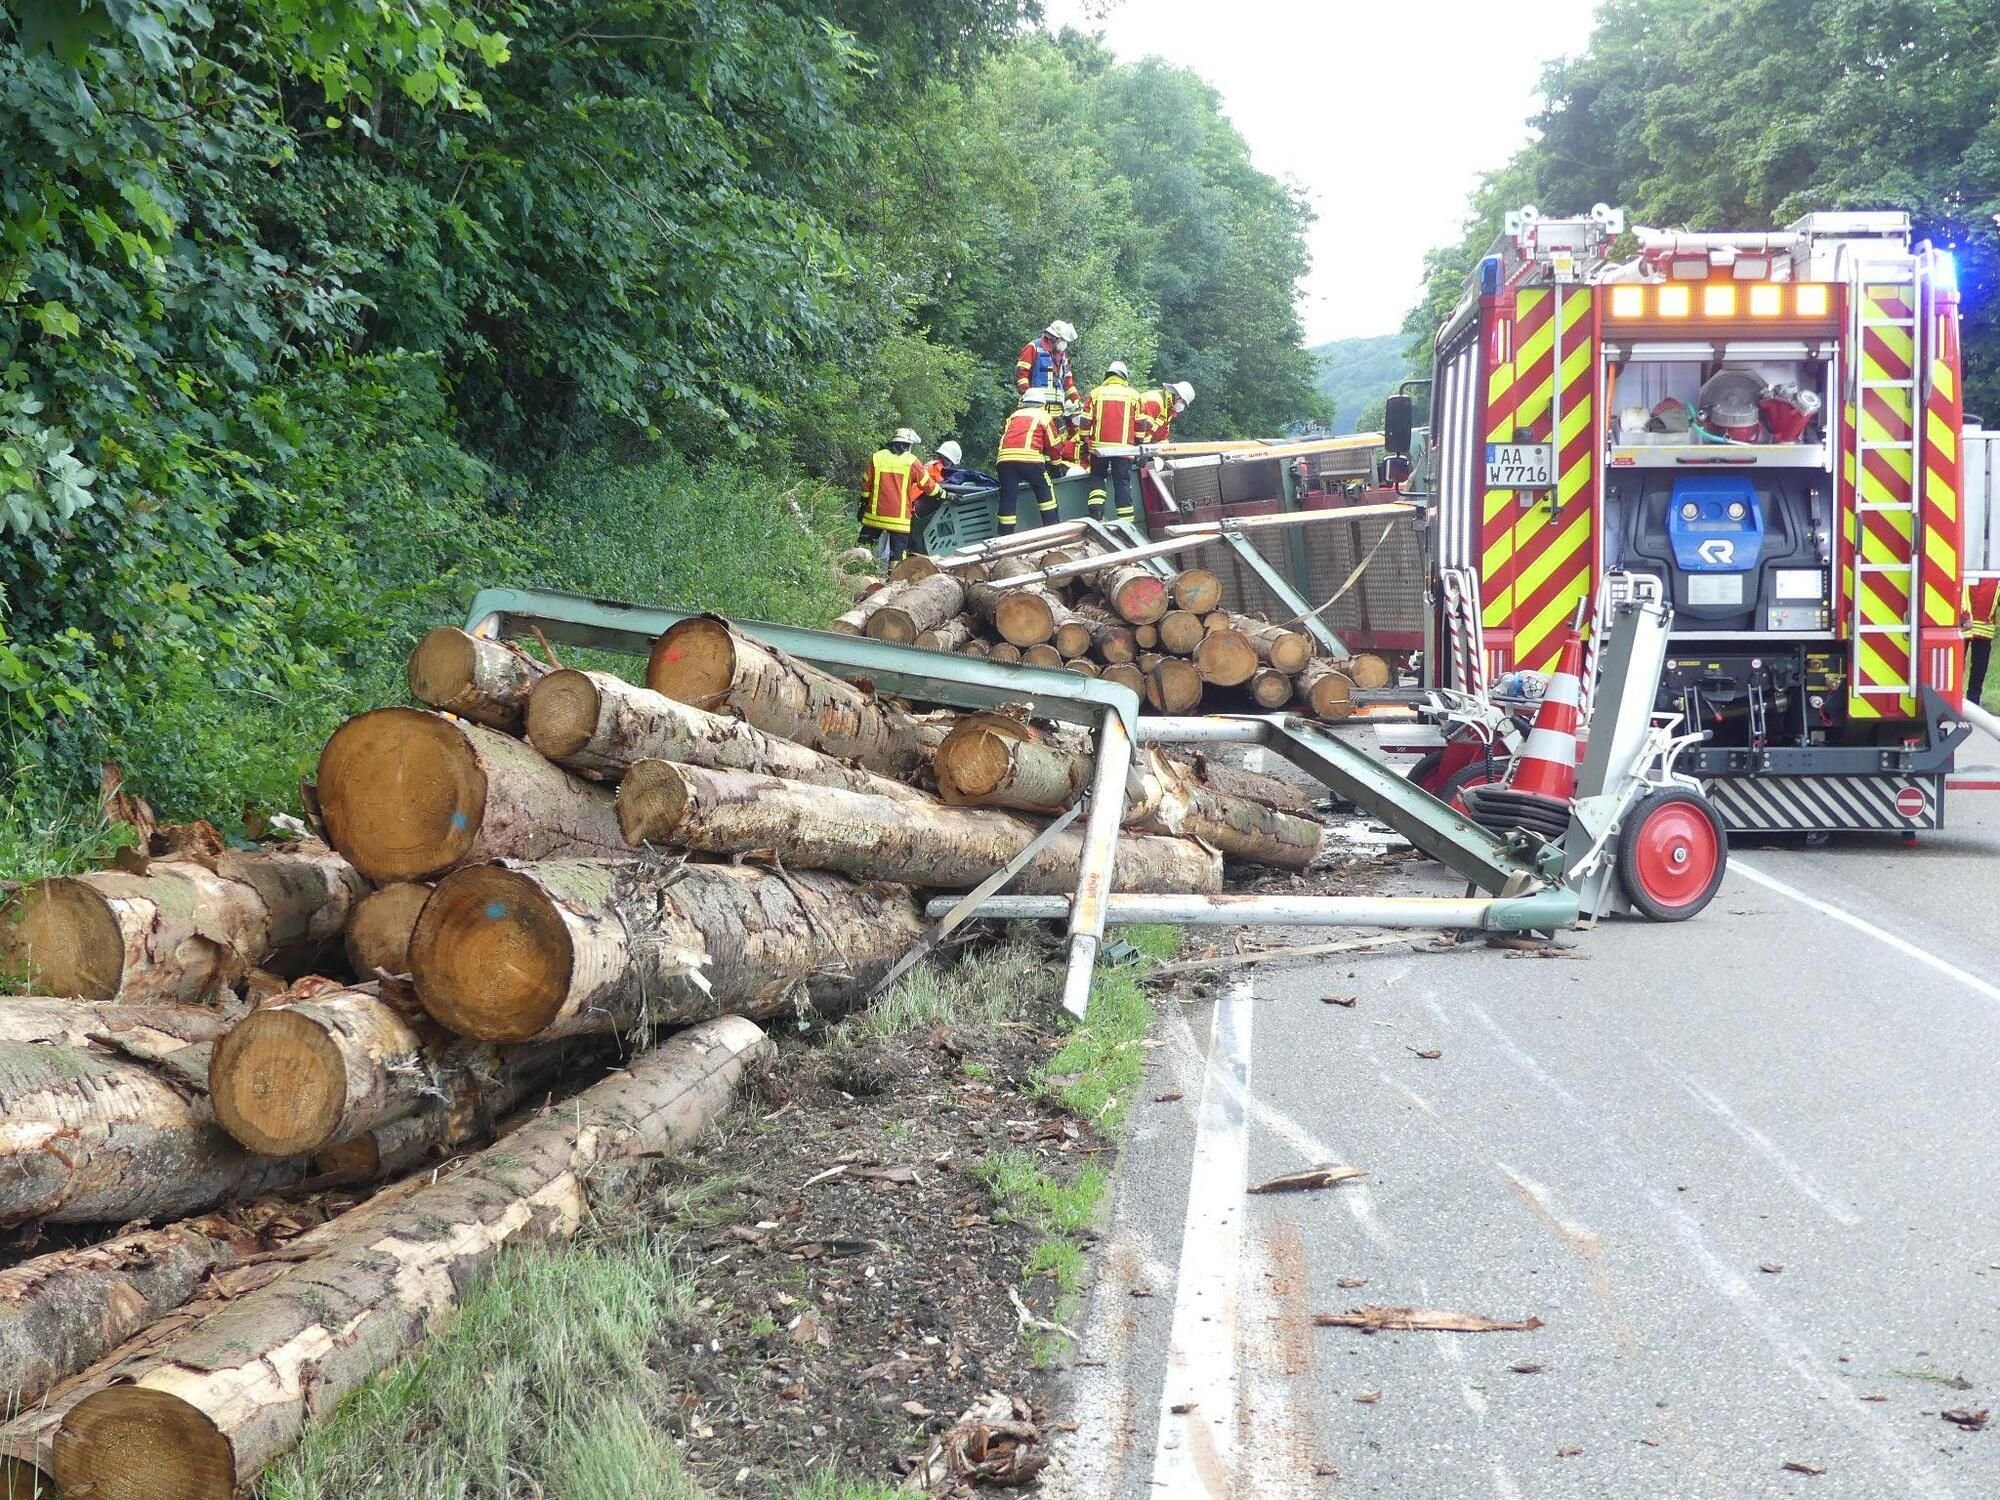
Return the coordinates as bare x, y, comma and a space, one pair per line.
1365, 670
315, 1073
946, 848
1197, 590
148, 1032
977, 768
202, 1415
1173, 685
912, 566
1286, 650
600, 726
1180, 632
1178, 805
574, 948
1269, 790
1135, 593
90, 1138
378, 934
950, 635
1225, 659
1327, 691
923, 605
185, 928
484, 681
1111, 639
1026, 614
855, 621
707, 662
409, 795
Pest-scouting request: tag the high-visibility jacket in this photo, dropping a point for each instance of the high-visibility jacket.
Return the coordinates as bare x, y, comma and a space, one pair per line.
1156, 417
1980, 622
1028, 438
1042, 363
1071, 448
1113, 418
891, 487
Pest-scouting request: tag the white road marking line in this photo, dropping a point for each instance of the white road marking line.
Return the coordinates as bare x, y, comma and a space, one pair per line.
1860, 924
1760, 1143
1796, 1354
1194, 1448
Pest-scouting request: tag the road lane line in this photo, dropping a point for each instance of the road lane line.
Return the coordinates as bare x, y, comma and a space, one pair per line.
1194, 1446
1862, 925
1762, 1144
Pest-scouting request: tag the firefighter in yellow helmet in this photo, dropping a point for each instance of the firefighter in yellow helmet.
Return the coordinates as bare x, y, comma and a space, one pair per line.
893, 483
1027, 448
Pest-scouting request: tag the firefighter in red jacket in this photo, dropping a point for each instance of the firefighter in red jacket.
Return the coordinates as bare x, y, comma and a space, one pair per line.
894, 482
1044, 364
1027, 448
1157, 410
1111, 422
1979, 625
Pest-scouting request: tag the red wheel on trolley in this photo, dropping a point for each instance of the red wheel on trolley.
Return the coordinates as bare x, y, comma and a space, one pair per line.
1671, 855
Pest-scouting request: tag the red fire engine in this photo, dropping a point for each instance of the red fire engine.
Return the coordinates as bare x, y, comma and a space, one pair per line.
1765, 424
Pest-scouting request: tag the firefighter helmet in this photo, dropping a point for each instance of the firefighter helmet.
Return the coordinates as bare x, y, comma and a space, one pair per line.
1183, 395
904, 435
1061, 332
1038, 395
951, 453
1117, 367
1728, 403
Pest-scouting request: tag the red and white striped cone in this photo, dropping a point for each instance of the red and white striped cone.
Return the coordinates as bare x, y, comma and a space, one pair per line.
1541, 781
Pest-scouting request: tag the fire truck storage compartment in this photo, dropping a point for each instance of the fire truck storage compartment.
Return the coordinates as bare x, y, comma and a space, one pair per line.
1740, 550
1657, 388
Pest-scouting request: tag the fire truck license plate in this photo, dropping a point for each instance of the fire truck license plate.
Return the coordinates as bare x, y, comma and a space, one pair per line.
1520, 466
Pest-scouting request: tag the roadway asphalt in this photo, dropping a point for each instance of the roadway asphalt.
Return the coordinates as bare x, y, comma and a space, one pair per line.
1745, 1170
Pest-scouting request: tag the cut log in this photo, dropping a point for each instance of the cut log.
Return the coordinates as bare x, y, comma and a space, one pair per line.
600, 726
1083, 666
1146, 637
1197, 590
62, 1311
1111, 639
1365, 670
922, 605
1218, 619
977, 647
378, 933
948, 848
1074, 637
952, 635
1225, 659
182, 930
573, 948
912, 566
1027, 615
1006, 652
977, 768
855, 620
1126, 674
310, 1074
408, 795
177, 1036
1180, 632
1269, 790
88, 1138
707, 662
1286, 650
484, 681
1270, 688
202, 1415
1325, 690
1173, 685
1137, 595
1178, 805
1043, 655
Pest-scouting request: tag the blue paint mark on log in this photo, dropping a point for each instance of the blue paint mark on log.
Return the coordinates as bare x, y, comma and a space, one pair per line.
496, 910
458, 820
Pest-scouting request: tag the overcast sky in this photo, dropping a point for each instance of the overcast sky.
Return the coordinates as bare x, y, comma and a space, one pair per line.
1384, 113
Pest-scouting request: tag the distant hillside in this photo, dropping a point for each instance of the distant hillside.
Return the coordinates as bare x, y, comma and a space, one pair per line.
1357, 373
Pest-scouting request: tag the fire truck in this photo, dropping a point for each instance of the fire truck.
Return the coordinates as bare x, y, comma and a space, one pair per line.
1761, 427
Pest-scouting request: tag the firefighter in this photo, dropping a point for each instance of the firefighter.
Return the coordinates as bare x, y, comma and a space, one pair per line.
893, 483
1979, 627
1157, 410
945, 468
1027, 448
1111, 424
1072, 452
1044, 364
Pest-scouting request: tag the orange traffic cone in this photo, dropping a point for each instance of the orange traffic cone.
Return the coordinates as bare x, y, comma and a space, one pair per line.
1541, 781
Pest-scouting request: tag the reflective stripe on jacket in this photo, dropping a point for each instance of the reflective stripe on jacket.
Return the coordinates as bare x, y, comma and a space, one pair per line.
1113, 419
1042, 363
1980, 623
891, 488
1028, 438
1156, 417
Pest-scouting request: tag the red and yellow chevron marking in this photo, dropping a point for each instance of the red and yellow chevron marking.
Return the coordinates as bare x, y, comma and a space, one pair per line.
1884, 541
1944, 527
1535, 566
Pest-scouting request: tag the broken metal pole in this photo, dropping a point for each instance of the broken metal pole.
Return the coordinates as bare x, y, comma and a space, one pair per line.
1538, 911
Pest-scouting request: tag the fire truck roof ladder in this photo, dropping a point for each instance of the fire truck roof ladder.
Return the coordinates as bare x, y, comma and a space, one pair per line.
1887, 362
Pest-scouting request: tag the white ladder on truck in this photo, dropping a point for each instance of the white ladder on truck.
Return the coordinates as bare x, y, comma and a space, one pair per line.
1900, 455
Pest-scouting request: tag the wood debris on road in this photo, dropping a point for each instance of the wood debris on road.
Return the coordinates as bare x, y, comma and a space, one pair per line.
1311, 1178
1378, 1319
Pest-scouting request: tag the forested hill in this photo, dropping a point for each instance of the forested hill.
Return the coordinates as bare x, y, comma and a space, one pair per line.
320, 313
1747, 114
1357, 374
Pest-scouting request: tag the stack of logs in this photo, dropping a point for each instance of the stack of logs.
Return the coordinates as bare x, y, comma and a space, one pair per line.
539, 874
1169, 639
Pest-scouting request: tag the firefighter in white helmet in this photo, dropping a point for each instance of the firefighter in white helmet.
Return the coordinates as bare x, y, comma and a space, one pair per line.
1027, 448
947, 463
1157, 410
1044, 364
893, 483
1111, 427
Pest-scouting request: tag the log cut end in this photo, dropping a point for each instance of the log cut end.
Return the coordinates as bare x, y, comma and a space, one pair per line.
970, 766
378, 934
129, 1442
402, 792
1173, 685
1226, 658
1024, 618
652, 801
562, 713
491, 955
695, 661
1270, 688
278, 1083
1197, 590
443, 666
63, 938
1127, 675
